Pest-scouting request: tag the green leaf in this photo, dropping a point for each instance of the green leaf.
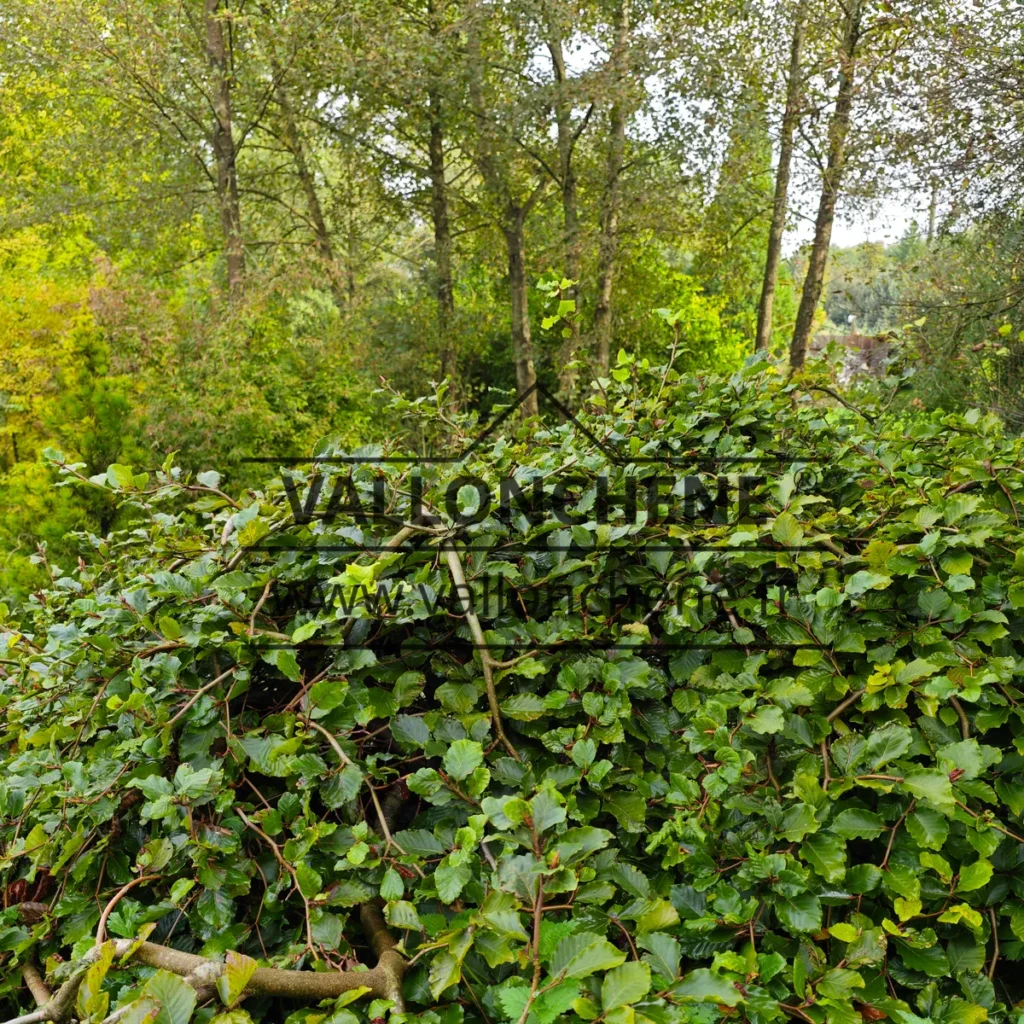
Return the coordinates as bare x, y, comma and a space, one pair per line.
625, 985
547, 810
445, 971
928, 828
663, 953
238, 969
857, 824
402, 914
284, 659
174, 995
583, 954
420, 842
341, 787
120, 477
787, 531
392, 887
839, 983
887, 744
703, 986
462, 757
555, 1001
930, 960
632, 879
861, 582
799, 913
450, 879
766, 720
583, 753
305, 631
933, 786
628, 808
309, 879
974, 876
1017, 921
843, 931
826, 855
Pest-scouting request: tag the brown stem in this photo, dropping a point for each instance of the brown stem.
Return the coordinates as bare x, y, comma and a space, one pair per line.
832, 177
101, 928
851, 700
259, 606
195, 696
35, 984
842, 401
381, 817
893, 831
782, 174
459, 580
276, 850
995, 943
965, 725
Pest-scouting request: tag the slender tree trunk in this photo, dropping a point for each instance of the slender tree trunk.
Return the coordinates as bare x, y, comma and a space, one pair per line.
933, 202
570, 206
293, 139
566, 170
832, 180
608, 244
224, 153
351, 255
522, 341
442, 237
444, 283
513, 226
781, 203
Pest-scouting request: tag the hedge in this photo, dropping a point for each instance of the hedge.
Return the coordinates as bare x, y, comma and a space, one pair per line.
715, 715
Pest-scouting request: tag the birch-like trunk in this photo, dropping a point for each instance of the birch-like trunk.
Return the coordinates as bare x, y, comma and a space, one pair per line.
839, 129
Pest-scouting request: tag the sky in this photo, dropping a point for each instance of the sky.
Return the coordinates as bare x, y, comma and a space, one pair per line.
885, 224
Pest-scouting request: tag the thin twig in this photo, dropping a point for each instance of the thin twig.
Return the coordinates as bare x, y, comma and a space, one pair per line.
346, 760
965, 725
461, 589
991, 824
842, 401
101, 928
276, 850
851, 700
259, 606
995, 943
195, 696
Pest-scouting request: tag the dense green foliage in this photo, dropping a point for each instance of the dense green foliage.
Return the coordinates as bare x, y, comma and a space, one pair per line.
792, 788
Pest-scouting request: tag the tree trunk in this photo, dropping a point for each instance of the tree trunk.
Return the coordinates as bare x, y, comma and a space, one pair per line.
608, 244
512, 221
522, 342
296, 147
838, 131
442, 237
444, 283
570, 211
780, 206
224, 147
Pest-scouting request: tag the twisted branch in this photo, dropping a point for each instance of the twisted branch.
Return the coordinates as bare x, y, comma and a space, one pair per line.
384, 981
